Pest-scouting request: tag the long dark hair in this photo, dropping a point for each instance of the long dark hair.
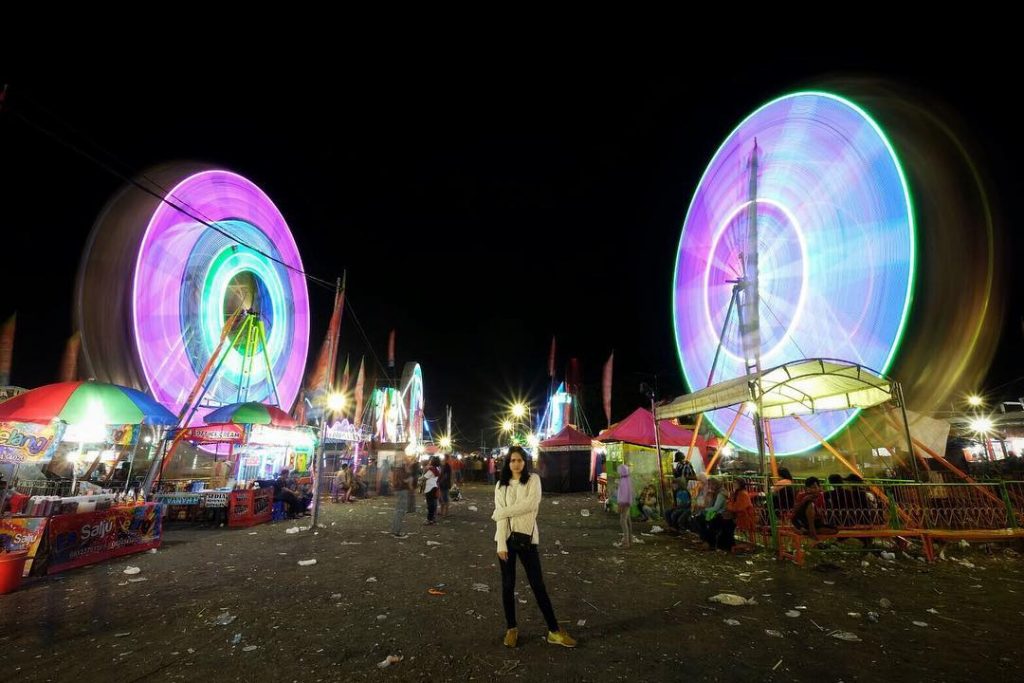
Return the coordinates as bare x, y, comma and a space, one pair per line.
506, 469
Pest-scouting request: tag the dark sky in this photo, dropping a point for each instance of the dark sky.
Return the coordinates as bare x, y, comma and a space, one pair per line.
477, 210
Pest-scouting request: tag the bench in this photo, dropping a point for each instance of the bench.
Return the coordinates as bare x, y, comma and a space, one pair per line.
791, 541
978, 535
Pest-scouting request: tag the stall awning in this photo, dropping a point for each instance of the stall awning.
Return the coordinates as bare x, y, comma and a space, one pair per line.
638, 429
796, 388
567, 439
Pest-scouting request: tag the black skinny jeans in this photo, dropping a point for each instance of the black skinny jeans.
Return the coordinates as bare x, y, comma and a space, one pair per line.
531, 563
432, 505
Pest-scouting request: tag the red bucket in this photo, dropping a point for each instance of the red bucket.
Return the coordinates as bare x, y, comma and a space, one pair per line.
11, 567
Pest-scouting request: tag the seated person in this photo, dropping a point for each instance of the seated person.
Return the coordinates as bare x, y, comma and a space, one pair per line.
808, 517
360, 488
679, 516
344, 484
304, 490
709, 525
647, 502
284, 493
869, 511
836, 502
700, 501
782, 493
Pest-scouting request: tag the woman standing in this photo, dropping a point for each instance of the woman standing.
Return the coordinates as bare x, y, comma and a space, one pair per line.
430, 479
516, 502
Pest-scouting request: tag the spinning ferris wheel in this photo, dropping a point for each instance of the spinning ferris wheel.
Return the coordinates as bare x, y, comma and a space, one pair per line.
165, 272
799, 242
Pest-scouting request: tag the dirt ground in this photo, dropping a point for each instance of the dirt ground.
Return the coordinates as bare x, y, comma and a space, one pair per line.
641, 614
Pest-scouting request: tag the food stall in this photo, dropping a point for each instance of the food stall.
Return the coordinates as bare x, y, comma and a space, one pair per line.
58, 532
255, 453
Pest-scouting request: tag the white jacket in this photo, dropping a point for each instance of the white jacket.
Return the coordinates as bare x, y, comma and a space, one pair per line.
431, 481
515, 509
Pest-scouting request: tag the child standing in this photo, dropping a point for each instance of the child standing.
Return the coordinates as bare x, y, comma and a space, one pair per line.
624, 498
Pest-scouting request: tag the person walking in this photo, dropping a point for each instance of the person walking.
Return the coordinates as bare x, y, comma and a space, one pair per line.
403, 484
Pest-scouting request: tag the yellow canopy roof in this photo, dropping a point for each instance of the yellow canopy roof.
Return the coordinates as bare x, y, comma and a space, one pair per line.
795, 388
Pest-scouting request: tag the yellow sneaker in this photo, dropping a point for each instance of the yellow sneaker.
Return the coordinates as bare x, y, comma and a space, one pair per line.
511, 637
560, 637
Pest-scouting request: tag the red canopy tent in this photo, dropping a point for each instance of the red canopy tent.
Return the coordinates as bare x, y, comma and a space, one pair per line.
638, 429
568, 437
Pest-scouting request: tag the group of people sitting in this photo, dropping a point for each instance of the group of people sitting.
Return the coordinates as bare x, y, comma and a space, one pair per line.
713, 514
296, 496
703, 506
813, 510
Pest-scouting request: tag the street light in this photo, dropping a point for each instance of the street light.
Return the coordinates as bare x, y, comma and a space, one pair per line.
981, 425
446, 442
336, 402
519, 410
506, 425
974, 400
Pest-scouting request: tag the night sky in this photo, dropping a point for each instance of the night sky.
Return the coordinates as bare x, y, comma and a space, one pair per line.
477, 211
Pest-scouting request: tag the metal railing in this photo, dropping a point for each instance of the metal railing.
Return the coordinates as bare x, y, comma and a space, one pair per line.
893, 504
44, 487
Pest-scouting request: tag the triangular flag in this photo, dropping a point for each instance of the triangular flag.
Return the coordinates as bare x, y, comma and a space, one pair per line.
360, 381
606, 388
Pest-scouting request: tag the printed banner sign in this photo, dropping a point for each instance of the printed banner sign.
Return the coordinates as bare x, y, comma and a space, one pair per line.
222, 433
90, 537
29, 442
184, 498
19, 534
250, 506
215, 500
124, 435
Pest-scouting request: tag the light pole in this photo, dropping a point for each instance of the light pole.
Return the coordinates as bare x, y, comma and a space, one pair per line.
335, 404
521, 415
662, 494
